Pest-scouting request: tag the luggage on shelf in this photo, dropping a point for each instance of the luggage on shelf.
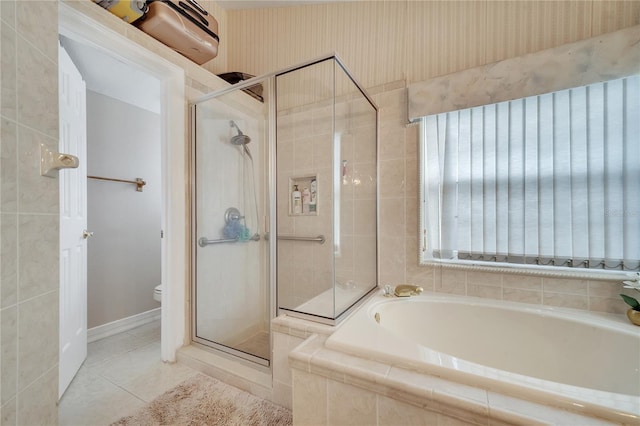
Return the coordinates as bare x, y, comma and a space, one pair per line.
236, 77
184, 26
128, 10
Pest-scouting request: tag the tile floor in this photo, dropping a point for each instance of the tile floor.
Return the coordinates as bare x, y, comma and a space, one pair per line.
121, 374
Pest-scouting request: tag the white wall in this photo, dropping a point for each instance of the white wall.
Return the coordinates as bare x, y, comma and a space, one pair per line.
124, 263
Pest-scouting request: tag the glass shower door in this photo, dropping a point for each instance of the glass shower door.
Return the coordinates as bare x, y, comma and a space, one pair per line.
231, 286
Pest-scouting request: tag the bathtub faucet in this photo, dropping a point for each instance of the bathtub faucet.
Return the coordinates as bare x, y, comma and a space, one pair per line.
406, 290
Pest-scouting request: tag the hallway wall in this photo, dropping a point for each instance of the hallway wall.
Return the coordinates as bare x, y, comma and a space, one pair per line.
123, 261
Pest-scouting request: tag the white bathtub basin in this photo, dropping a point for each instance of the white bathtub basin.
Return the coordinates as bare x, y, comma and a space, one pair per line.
561, 357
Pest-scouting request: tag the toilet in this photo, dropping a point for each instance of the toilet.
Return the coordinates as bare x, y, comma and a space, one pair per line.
157, 293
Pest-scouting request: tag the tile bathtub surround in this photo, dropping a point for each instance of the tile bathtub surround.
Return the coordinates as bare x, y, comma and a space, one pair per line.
377, 393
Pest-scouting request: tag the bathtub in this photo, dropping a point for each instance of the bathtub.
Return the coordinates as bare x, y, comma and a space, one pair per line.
580, 361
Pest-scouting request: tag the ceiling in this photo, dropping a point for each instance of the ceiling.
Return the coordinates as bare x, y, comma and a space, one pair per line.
111, 77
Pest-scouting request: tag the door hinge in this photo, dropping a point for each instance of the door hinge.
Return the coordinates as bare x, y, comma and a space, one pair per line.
161, 233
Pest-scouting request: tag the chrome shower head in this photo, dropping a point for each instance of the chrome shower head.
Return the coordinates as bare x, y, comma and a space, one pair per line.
240, 138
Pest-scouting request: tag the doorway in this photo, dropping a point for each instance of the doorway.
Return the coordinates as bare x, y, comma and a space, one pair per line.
79, 28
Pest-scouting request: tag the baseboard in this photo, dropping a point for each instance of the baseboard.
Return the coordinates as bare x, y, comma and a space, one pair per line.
122, 325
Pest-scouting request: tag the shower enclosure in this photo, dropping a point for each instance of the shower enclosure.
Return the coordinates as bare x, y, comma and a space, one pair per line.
285, 205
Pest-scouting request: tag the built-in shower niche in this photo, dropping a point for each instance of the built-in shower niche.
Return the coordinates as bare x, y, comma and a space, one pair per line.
304, 195
326, 128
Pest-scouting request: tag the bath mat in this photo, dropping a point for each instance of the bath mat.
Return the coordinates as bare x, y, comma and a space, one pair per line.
203, 400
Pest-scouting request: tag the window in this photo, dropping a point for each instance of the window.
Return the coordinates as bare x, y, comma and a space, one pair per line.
550, 180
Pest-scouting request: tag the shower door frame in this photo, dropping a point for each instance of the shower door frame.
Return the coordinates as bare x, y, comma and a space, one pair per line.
252, 360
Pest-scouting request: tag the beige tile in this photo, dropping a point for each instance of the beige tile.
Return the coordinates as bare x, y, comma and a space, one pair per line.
412, 213
444, 420
284, 156
91, 399
8, 259
393, 413
349, 405
142, 373
309, 399
392, 142
322, 120
38, 194
392, 260
412, 177
522, 281
484, 291
412, 139
37, 90
452, 281
364, 145
564, 285
9, 413
37, 338
34, 23
108, 348
609, 305
522, 296
392, 217
37, 404
283, 394
574, 301
8, 166
322, 151
38, 262
363, 178
303, 154
8, 77
9, 354
609, 289
364, 213
346, 216
8, 12
392, 178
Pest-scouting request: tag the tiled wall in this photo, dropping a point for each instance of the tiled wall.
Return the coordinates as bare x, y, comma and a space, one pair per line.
28, 213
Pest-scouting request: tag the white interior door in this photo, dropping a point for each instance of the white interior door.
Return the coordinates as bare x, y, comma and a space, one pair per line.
73, 222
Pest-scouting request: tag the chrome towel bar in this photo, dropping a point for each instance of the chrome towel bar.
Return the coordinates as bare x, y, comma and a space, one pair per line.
319, 239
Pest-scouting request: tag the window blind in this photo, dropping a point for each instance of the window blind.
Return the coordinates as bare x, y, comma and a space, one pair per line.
545, 180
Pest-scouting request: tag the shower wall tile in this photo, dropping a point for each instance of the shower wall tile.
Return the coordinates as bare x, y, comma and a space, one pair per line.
8, 259
9, 413
8, 77
8, 166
